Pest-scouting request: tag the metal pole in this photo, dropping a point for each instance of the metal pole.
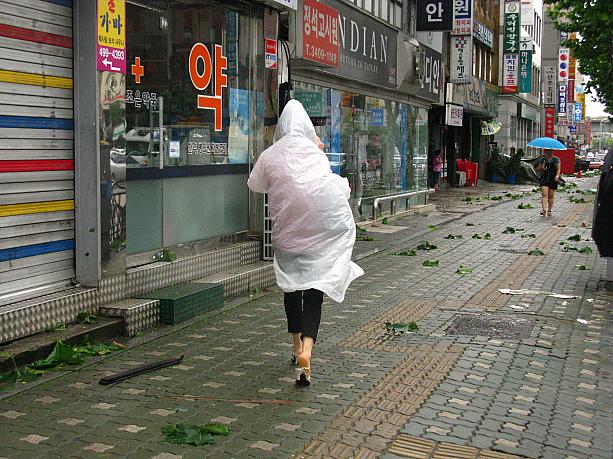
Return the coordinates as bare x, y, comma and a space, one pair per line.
161, 126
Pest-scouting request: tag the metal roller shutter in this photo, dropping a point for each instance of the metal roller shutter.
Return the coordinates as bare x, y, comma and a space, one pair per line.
36, 148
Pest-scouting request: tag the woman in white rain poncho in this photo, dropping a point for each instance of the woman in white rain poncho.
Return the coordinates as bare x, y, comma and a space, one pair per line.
313, 229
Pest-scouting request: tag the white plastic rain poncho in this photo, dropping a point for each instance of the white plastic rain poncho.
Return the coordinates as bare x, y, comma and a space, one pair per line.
313, 229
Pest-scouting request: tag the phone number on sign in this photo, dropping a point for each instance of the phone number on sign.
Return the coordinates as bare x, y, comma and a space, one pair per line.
114, 53
320, 54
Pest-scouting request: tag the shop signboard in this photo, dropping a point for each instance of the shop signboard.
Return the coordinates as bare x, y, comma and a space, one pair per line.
312, 101
462, 17
461, 57
377, 117
430, 85
475, 98
454, 115
111, 45
573, 129
527, 13
510, 73
319, 31
563, 56
434, 15
562, 100
525, 65
570, 90
578, 113
563, 36
511, 28
572, 68
368, 48
550, 120
549, 89
483, 34
588, 133
232, 42
491, 96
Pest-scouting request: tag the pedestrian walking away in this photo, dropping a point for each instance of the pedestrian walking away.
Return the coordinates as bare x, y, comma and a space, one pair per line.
549, 168
437, 166
313, 229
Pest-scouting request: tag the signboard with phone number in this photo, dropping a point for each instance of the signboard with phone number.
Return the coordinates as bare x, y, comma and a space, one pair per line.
111, 46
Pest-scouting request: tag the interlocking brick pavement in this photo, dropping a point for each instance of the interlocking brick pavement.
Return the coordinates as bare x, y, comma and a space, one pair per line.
546, 394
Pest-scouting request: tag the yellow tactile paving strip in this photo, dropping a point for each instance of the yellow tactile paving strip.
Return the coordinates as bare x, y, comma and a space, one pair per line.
418, 448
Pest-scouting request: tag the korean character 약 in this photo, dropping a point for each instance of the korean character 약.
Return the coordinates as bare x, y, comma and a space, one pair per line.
137, 98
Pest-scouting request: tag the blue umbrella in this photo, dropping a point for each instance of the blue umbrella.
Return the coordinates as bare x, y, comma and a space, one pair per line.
547, 143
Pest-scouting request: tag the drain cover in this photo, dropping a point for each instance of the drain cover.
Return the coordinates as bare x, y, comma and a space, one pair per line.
491, 326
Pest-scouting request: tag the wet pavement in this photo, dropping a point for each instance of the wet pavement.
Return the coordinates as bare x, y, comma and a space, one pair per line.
486, 374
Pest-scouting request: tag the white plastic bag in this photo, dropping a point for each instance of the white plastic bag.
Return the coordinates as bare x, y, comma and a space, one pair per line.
313, 229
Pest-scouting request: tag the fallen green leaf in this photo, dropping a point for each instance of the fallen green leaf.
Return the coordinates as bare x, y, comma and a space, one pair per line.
470, 224
531, 235
405, 253
576, 238
509, 230
463, 270
525, 206
5, 355
433, 227
359, 229
582, 267
187, 434
487, 236
468, 199
399, 327
496, 198
476, 236
536, 252
62, 354
451, 236
364, 238
385, 221
430, 263
577, 200
586, 249
86, 318
56, 327
425, 245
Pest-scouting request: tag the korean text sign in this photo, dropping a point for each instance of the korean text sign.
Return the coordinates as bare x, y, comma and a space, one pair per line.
461, 57
562, 100
202, 80
111, 46
510, 73
525, 66
550, 121
511, 27
462, 17
320, 33
549, 92
434, 15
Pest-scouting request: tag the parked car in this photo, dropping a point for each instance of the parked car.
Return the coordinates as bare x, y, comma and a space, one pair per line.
597, 161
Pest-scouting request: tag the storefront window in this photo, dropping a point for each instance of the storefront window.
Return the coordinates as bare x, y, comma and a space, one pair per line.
417, 140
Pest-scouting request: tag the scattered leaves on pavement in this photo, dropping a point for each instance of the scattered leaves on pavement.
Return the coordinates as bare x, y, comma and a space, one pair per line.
586, 249
536, 252
430, 263
525, 206
399, 327
476, 236
405, 253
530, 235
576, 237
451, 236
56, 327
364, 238
511, 230
463, 270
487, 236
189, 434
359, 229
470, 224
433, 227
86, 318
385, 221
425, 245
582, 267
577, 200
468, 199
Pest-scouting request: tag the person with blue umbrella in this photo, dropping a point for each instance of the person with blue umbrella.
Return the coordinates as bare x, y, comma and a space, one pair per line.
549, 169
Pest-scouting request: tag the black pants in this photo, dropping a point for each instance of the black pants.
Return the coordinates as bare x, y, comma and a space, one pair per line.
303, 310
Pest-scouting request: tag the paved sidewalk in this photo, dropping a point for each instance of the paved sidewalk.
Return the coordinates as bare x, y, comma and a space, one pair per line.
486, 375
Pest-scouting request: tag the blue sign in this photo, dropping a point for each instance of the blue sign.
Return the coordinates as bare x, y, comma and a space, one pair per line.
573, 129
578, 113
562, 100
377, 117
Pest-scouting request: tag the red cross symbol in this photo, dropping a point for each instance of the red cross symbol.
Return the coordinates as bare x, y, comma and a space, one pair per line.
137, 70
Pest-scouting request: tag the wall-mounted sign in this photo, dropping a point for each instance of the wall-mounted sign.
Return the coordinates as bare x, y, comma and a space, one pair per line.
549, 87
461, 59
377, 117
462, 17
318, 37
563, 58
572, 67
434, 15
510, 73
475, 98
312, 101
562, 100
570, 90
563, 36
525, 65
483, 34
573, 129
202, 80
550, 121
454, 115
111, 46
368, 48
430, 84
511, 28
527, 13
270, 53
578, 113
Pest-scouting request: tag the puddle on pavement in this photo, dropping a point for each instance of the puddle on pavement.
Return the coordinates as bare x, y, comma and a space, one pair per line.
493, 326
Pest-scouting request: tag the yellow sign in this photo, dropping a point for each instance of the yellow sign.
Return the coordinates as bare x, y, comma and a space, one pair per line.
112, 23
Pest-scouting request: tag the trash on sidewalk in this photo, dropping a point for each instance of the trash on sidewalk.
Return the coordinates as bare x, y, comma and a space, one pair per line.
508, 291
582, 321
189, 434
400, 327
145, 368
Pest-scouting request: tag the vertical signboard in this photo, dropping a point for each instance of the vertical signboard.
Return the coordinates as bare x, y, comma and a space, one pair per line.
509, 73
563, 58
549, 121
527, 13
434, 15
111, 47
525, 65
570, 89
461, 59
578, 113
511, 28
562, 100
549, 89
572, 67
462, 17
320, 34
588, 133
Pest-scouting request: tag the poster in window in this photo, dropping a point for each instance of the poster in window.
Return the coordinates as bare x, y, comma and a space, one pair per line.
238, 133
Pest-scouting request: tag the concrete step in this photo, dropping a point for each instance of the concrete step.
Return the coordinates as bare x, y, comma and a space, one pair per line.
38, 346
243, 279
137, 314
